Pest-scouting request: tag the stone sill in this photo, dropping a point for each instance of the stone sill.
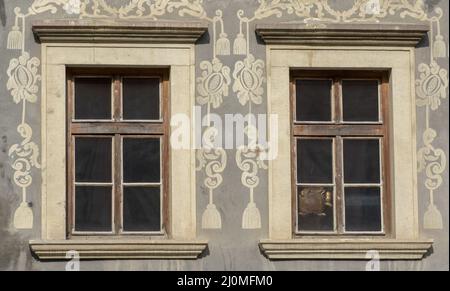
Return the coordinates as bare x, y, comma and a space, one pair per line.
344, 249
119, 249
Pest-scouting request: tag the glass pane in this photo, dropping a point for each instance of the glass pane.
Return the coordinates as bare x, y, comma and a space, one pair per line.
142, 209
315, 209
362, 209
141, 160
93, 159
315, 161
93, 208
361, 161
93, 98
141, 99
313, 101
360, 100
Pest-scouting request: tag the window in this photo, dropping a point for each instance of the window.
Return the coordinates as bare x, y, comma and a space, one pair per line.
340, 141
68, 44
351, 203
117, 154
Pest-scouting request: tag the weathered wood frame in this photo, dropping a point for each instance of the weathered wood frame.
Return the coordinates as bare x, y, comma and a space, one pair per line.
117, 128
337, 130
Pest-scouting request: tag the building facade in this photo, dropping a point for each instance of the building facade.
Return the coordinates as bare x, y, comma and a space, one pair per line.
120, 128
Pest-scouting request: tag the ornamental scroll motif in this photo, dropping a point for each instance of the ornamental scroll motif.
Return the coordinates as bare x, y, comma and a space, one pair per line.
247, 77
142, 9
23, 86
323, 11
248, 159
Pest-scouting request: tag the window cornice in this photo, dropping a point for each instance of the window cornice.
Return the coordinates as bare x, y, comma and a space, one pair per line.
118, 31
362, 34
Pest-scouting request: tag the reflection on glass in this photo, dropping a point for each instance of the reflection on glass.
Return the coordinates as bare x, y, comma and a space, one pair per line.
93, 98
360, 100
313, 100
93, 208
141, 209
141, 99
315, 208
141, 160
362, 161
362, 209
93, 159
315, 161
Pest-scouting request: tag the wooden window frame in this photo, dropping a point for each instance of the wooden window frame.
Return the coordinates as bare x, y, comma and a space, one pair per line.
338, 130
117, 128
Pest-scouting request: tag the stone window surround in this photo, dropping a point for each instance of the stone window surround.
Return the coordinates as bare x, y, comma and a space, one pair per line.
345, 46
102, 43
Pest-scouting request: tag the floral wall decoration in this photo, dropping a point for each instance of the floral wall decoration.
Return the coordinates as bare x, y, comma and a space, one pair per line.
248, 160
212, 86
23, 85
218, 79
431, 86
431, 89
248, 85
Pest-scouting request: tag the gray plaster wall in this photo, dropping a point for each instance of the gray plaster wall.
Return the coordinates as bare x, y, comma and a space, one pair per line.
231, 247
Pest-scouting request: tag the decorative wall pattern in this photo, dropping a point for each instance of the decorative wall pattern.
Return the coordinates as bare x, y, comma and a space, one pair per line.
431, 87
247, 81
323, 11
23, 85
143, 9
249, 78
249, 162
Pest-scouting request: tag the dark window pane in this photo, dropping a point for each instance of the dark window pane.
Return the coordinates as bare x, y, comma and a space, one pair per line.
93, 208
141, 160
93, 159
313, 100
315, 161
360, 100
141, 98
361, 161
93, 98
362, 209
315, 209
142, 209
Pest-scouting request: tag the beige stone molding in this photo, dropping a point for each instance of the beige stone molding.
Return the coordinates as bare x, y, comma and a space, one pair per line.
344, 249
100, 31
363, 34
56, 57
118, 249
404, 241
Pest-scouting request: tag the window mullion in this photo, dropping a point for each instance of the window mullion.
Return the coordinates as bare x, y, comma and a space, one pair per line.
339, 182
117, 100
117, 183
337, 101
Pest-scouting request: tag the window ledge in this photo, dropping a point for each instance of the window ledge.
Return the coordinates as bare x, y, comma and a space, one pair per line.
363, 34
119, 249
344, 249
